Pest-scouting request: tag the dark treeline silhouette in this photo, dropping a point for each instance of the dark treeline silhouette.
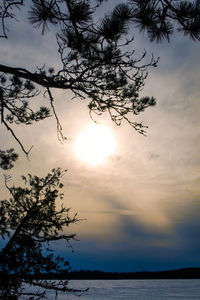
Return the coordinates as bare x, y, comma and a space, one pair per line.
185, 273
95, 66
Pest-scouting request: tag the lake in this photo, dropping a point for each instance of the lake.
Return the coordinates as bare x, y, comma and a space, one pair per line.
184, 289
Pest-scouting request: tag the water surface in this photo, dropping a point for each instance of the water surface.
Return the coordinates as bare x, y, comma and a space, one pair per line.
134, 290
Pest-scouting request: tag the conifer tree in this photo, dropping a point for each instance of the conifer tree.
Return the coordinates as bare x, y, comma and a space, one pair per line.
95, 63
30, 221
160, 18
96, 66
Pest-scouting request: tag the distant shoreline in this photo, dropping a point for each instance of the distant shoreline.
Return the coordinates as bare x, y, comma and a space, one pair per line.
185, 273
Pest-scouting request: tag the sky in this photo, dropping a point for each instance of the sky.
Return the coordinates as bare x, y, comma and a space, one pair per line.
141, 206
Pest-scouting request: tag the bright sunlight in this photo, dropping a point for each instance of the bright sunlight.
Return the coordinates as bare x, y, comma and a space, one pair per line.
95, 144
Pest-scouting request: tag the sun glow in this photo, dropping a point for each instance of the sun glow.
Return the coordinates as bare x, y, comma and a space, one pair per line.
95, 144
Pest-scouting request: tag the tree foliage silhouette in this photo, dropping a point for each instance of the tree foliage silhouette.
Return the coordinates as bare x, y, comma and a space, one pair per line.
29, 222
95, 63
160, 18
96, 66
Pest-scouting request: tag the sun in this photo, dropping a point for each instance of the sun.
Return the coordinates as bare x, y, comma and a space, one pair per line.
95, 144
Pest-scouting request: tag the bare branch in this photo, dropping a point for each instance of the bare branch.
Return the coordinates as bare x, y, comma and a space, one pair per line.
17, 139
61, 137
6, 14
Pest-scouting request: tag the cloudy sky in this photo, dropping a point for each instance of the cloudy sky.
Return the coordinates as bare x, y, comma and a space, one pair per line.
141, 205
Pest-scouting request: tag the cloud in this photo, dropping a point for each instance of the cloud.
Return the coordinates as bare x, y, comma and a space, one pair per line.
153, 156
141, 206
